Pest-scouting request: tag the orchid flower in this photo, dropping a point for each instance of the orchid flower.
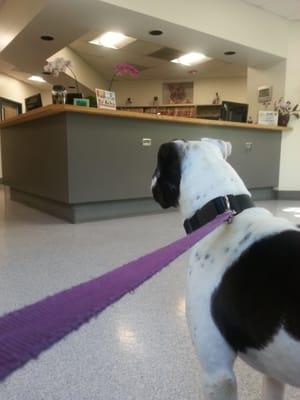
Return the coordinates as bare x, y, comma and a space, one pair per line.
124, 69
286, 108
59, 64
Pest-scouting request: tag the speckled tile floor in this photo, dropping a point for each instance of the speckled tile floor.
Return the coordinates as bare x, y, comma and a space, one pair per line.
137, 349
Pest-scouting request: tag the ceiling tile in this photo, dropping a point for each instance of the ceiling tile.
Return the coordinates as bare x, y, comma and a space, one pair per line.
289, 9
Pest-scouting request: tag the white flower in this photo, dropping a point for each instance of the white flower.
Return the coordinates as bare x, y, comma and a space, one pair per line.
58, 65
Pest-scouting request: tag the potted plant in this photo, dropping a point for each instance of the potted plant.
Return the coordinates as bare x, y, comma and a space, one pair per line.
285, 111
123, 69
58, 65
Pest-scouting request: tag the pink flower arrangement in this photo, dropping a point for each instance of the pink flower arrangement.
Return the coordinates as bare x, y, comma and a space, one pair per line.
124, 69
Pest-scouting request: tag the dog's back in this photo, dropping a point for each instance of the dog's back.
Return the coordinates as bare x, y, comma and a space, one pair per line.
257, 306
254, 297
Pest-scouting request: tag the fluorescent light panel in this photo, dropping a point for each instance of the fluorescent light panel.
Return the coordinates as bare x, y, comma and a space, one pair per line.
36, 78
190, 59
113, 40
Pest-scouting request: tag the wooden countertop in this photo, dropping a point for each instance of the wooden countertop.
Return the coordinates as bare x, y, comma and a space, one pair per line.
53, 109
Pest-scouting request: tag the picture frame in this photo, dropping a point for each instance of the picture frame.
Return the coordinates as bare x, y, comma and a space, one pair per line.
178, 92
9, 108
81, 102
268, 117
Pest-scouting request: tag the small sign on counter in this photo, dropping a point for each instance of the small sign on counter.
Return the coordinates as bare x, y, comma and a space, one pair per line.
106, 99
268, 117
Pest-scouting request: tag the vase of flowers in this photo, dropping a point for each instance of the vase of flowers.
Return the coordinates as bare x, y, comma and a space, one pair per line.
285, 111
123, 69
59, 65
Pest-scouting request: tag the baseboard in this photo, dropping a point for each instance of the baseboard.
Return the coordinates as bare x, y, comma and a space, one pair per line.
287, 194
55, 208
267, 193
76, 213
114, 209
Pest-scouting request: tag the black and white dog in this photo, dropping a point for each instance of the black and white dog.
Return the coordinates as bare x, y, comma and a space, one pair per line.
243, 284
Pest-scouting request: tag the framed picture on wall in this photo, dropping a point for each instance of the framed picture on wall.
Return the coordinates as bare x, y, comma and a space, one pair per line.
178, 93
9, 109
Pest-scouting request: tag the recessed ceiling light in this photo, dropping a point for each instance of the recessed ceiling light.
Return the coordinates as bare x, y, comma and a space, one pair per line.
47, 37
36, 78
190, 59
156, 32
229, 53
113, 40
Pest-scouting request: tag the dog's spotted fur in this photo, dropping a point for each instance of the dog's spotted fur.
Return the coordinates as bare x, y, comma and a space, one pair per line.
243, 279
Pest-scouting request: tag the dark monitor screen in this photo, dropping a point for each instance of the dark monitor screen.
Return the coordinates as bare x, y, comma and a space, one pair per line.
33, 102
71, 96
234, 111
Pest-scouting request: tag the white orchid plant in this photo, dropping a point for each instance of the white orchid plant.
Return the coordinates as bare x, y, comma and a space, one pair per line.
285, 108
58, 65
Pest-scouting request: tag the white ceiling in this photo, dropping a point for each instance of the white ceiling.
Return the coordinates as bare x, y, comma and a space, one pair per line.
83, 18
289, 9
139, 53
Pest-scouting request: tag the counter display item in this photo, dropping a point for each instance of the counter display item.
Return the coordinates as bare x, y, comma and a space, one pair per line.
106, 99
268, 117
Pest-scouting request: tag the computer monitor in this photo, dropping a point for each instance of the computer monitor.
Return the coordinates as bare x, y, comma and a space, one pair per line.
71, 96
236, 112
33, 102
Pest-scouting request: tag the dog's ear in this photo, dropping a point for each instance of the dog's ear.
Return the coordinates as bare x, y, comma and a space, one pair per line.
224, 147
166, 178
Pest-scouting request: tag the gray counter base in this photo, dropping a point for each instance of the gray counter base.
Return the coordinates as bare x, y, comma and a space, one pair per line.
76, 213
81, 167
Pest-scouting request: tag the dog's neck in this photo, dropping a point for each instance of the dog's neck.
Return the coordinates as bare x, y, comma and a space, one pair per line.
216, 178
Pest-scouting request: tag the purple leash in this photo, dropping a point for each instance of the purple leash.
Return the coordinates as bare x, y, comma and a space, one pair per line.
26, 332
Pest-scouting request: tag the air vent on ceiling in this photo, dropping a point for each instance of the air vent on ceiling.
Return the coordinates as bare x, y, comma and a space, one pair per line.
166, 53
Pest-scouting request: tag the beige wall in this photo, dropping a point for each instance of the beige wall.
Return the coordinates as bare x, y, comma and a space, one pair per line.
289, 178
273, 76
142, 92
16, 90
85, 74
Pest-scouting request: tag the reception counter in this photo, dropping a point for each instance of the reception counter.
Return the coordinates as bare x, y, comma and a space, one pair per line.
83, 164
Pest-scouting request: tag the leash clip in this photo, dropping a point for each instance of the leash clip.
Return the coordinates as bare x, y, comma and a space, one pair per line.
228, 208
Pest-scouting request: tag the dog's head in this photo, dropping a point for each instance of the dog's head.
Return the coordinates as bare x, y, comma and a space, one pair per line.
167, 175
183, 165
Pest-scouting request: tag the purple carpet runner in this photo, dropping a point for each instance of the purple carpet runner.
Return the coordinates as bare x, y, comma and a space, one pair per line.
26, 332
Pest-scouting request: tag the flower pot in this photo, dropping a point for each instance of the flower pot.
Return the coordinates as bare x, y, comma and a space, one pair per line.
283, 119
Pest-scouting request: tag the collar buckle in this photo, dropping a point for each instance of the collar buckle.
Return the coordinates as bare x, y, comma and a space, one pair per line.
227, 203
228, 208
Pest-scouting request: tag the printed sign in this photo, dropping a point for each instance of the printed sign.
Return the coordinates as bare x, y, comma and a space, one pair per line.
268, 117
106, 99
